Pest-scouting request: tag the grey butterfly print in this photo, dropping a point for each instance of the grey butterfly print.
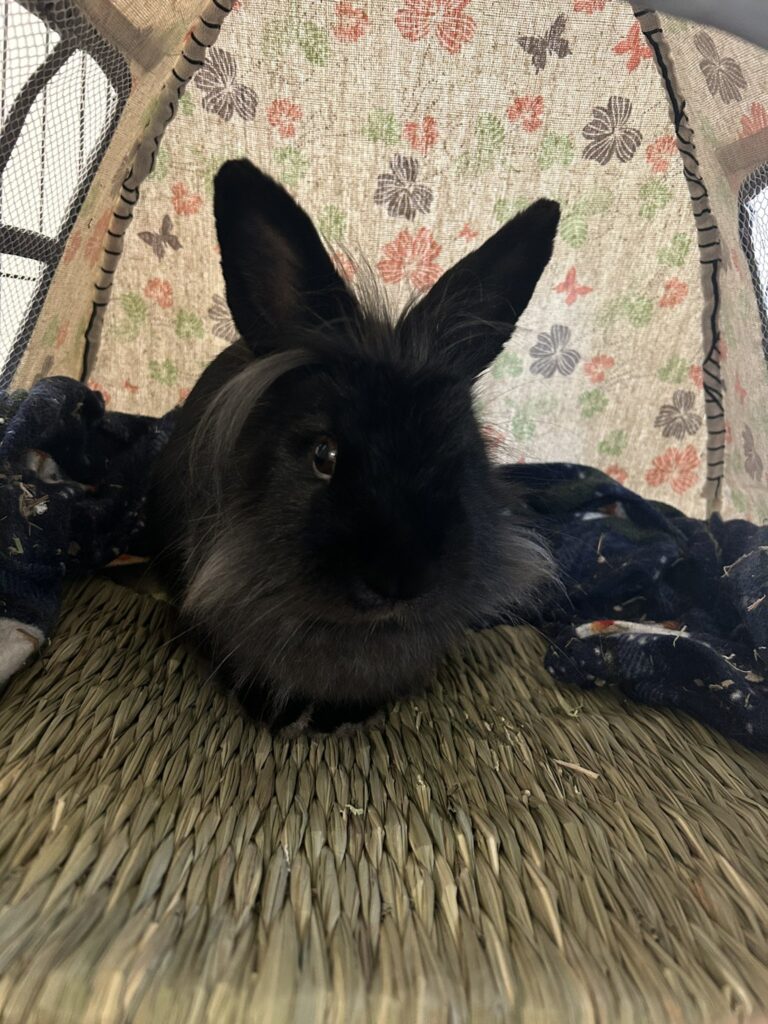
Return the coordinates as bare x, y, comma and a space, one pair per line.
723, 75
551, 354
398, 191
752, 461
552, 42
223, 95
223, 324
159, 240
609, 133
678, 418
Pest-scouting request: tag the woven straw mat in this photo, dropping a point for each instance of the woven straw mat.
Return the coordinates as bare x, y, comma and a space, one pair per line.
504, 850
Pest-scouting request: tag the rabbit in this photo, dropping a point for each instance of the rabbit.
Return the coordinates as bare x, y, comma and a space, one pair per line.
325, 514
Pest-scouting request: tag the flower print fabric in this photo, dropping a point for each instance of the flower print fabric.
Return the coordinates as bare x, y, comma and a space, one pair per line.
678, 419
723, 75
398, 191
223, 324
223, 95
552, 355
449, 20
610, 133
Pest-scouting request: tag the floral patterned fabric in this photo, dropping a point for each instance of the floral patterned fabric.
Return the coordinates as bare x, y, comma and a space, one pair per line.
725, 83
149, 35
411, 130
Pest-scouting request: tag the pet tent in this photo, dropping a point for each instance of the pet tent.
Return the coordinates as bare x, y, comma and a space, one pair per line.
504, 849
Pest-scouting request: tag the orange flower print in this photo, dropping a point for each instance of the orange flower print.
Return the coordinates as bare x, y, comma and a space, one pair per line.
675, 291
467, 233
72, 247
658, 153
452, 25
696, 373
184, 202
678, 467
345, 266
283, 115
94, 244
588, 6
131, 388
634, 47
755, 121
351, 22
618, 473
571, 288
422, 135
183, 395
597, 368
159, 291
412, 258
528, 110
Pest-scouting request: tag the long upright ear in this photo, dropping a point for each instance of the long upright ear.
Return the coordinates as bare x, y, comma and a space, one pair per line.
276, 270
471, 311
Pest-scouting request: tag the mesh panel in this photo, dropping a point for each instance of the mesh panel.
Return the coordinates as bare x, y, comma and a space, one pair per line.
62, 89
753, 223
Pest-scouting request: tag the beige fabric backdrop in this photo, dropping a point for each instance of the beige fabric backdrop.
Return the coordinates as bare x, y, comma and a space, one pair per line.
725, 81
411, 129
150, 36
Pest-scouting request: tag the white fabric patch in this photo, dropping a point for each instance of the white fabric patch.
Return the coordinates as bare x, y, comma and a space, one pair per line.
18, 642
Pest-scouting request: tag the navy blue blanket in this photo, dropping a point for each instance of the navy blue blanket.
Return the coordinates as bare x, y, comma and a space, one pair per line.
670, 609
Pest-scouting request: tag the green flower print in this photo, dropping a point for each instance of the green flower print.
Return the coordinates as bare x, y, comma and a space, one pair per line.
592, 402
311, 38
654, 196
614, 443
164, 373
574, 228
574, 225
674, 371
555, 150
133, 311
522, 426
487, 148
381, 126
675, 254
509, 364
504, 209
188, 325
332, 223
160, 169
637, 310
314, 43
293, 165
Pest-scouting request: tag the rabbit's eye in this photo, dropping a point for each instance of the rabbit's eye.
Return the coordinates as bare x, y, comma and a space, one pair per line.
324, 458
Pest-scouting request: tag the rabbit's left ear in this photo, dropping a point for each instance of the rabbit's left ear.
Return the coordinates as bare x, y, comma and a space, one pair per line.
276, 270
472, 309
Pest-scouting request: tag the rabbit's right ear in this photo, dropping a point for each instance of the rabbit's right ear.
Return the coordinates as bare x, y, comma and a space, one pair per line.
276, 270
471, 311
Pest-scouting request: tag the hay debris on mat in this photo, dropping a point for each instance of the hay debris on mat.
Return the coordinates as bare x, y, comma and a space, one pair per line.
500, 851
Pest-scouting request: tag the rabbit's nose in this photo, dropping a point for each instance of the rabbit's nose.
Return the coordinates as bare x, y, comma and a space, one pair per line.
389, 583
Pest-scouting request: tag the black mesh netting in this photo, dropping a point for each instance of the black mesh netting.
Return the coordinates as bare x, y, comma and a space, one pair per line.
753, 210
62, 89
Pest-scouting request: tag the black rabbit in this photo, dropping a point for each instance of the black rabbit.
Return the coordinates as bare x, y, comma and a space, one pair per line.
325, 513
